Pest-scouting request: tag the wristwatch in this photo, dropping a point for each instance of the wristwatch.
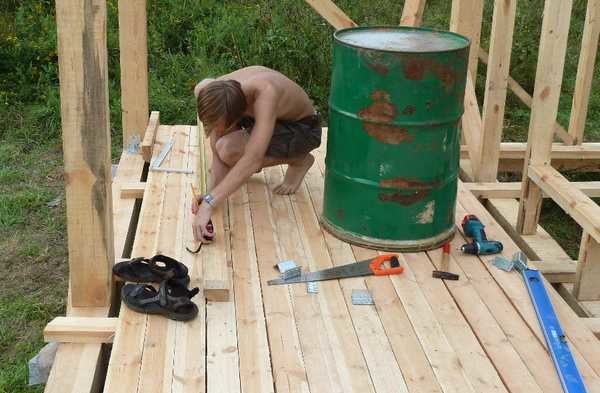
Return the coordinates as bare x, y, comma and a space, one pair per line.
208, 198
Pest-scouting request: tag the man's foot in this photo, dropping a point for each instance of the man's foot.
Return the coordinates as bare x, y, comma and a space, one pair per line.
294, 175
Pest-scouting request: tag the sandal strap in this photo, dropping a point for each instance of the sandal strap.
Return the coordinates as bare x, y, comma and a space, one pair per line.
142, 288
172, 266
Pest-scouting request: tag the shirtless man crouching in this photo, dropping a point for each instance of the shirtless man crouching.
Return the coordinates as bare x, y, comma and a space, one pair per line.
255, 117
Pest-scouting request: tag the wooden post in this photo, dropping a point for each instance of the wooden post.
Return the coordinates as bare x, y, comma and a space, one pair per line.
133, 46
585, 71
331, 13
548, 81
412, 13
588, 269
466, 19
81, 27
503, 24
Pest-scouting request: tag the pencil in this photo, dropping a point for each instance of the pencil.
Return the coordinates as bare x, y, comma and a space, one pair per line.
194, 193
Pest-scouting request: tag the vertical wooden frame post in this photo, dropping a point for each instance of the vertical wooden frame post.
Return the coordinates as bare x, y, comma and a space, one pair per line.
83, 72
133, 44
412, 13
503, 24
585, 71
548, 81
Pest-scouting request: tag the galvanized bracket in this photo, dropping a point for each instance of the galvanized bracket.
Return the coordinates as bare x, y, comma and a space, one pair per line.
362, 297
289, 269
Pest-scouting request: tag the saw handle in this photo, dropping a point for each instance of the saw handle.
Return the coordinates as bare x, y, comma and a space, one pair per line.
376, 265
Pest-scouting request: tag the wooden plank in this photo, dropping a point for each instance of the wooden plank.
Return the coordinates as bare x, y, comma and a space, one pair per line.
332, 13
133, 52
584, 345
80, 330
412, 13
126, 357
465, 19
363, 353
189, 358
253, 346
512, 190
593, 324
560, 151
513, 85
287, 360
588, 269
156, 371
585, 71
575, 203
217, 281
501, 38
132, 190
86, 148
548, 81
150, 135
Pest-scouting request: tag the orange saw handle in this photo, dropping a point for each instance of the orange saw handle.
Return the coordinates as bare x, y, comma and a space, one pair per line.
378, 262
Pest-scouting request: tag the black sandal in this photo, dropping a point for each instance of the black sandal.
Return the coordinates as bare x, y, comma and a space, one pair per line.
156, 269
171, 300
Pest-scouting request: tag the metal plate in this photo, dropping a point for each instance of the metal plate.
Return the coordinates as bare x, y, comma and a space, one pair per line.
361, 297
312, 287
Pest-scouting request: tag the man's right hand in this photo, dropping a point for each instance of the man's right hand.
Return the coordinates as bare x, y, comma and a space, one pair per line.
196, 201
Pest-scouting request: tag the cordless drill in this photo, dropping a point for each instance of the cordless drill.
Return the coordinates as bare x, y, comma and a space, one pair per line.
480, 245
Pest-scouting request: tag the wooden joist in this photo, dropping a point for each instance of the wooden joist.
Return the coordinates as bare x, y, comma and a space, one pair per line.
331, 13
150, 135
133, 190
548, 82
133, 45
588, 269
80, 330
412, 13
512, 190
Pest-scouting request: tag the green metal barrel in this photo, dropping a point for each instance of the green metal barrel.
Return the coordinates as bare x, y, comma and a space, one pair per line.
393, 144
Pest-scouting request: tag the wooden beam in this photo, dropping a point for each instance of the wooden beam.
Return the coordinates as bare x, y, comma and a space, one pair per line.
150, 135
588, 269
574, 202
83, 72
512, 190
503, 23
133, 45
412, 13
560, 151
548, 81
332, 14
133, 190
593, 324
585, 71
465, 19
80, 330
471, 125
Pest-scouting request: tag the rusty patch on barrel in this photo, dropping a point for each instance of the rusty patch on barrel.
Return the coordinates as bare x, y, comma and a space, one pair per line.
415, 68
401, 182
376, 116
404, 199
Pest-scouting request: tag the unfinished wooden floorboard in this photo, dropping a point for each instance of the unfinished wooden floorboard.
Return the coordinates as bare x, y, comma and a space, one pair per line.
529, 347
355, 331
508, 361
253, 347
126, 357
287, 362
317, 349
418, 373
582, 339
479, 369
158, 351
217, 273
189, 361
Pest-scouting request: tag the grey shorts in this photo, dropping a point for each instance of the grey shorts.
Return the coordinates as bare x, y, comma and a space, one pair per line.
291, 138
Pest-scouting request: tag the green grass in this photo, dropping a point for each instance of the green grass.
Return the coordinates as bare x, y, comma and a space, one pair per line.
188, 40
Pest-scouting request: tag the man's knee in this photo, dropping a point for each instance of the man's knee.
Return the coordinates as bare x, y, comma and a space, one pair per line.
229, 150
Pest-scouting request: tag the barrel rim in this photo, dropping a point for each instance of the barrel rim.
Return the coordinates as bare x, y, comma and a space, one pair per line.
407, 28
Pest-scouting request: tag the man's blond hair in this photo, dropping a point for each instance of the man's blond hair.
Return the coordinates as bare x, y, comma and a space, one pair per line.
221, 99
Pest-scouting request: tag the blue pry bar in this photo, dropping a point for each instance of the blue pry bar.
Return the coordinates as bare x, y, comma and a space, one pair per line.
569, 375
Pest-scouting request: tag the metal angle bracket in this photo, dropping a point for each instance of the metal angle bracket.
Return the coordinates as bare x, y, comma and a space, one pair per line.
289, 269
312, 287
362, 297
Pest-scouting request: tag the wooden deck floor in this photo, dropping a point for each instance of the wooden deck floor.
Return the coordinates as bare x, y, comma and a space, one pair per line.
478, 334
